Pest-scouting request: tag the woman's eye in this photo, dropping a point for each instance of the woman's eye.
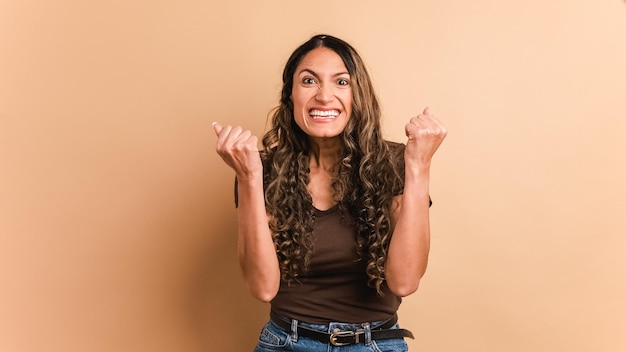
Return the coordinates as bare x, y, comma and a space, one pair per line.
343, 82
308, 80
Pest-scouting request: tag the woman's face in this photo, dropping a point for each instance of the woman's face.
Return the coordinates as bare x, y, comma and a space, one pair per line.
322, 94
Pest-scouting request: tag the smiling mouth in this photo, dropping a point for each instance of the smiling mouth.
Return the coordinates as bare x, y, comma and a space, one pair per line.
327, 114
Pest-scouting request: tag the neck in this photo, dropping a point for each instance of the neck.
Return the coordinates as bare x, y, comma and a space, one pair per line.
325, 153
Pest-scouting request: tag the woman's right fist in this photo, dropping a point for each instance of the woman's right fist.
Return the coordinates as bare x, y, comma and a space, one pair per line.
238, 148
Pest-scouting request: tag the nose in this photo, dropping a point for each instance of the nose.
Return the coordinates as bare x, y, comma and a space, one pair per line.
324, 93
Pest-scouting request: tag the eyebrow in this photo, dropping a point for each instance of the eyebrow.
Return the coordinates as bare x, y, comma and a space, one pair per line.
316, 75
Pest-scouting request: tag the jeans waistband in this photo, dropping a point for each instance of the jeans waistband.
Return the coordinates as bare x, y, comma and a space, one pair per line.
341, 334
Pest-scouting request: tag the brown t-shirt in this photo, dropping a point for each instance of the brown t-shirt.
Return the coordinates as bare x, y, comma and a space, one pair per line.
334, 288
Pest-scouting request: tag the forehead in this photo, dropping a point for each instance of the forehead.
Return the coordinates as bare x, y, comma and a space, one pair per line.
322, 60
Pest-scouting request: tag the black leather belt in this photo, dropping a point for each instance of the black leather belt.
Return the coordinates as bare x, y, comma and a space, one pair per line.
345, 337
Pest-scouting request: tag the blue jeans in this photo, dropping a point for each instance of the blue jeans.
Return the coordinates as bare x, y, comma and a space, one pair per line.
274, 338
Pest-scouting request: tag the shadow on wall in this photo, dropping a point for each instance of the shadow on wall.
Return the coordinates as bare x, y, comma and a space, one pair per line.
229, 317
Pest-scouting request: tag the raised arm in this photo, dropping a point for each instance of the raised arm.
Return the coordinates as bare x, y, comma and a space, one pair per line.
410, 244
255, 248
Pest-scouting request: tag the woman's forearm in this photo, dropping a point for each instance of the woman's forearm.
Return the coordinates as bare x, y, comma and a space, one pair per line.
410, 244
256, 251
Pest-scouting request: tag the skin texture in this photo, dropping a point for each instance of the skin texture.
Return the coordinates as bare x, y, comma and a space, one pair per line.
322, 84
410, 244
255, 248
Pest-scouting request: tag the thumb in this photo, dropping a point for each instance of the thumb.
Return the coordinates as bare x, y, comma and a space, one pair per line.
427, 111
217, 128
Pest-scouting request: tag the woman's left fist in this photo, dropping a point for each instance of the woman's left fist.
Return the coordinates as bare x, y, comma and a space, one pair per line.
425, 133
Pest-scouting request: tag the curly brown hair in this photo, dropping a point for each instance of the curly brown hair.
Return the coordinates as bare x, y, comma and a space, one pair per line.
366, 180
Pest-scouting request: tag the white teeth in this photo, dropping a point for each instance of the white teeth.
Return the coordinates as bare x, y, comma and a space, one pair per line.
319, 113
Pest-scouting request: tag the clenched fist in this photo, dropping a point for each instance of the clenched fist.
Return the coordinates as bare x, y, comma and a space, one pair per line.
425, 133
238, 148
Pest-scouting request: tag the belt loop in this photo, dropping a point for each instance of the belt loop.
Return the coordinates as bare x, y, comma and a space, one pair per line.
294, 330
368, 334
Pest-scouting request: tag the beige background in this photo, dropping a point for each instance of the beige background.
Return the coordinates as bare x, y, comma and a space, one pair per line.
117, 226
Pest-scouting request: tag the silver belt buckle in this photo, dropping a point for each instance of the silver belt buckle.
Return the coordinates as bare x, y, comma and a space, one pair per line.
338, 334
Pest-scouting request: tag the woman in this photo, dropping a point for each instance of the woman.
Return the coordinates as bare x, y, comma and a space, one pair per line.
333, 220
